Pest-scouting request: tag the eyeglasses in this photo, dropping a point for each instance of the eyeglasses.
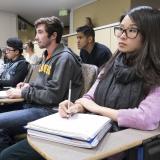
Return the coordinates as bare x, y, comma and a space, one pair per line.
129, 32
9, 50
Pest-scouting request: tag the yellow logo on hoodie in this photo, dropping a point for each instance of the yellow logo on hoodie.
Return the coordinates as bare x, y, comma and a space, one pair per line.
45, 69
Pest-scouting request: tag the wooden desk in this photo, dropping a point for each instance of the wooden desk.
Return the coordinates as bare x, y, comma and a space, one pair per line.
111, 144
10, 101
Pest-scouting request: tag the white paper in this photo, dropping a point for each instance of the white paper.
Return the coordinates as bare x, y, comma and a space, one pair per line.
70, 141
3, 94
79, 126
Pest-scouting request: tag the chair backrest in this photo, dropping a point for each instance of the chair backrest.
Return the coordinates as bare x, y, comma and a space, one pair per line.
89, 73
29, 73
32, 73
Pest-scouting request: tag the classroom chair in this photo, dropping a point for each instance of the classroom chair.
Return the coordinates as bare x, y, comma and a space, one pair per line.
89, 73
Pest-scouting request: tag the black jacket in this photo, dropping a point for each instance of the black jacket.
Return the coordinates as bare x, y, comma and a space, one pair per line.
14, 72
52, 83
100, 54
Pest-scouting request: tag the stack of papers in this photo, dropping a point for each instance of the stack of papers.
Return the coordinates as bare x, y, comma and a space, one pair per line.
3, 94
82, 130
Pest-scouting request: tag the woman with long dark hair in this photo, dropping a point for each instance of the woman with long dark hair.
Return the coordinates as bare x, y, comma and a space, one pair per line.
128, 88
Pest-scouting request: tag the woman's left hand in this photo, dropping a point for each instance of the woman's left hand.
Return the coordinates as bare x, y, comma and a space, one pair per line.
95, 108
89, 105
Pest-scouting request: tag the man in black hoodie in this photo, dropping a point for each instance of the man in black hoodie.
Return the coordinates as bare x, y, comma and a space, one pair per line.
16, 69
59, 66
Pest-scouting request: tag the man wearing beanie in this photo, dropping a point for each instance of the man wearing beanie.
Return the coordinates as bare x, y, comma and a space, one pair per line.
16, 69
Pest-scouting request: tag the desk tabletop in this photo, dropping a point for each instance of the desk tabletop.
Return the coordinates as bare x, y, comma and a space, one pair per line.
111, 144
9, 100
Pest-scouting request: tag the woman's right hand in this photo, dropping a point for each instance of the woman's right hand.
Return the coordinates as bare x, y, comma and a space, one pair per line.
66, 112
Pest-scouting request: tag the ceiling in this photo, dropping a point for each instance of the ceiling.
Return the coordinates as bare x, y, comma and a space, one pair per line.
33, 9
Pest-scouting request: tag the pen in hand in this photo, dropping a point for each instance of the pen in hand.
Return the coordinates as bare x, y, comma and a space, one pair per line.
69, 95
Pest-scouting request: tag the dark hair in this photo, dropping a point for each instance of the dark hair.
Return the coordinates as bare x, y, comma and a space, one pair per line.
90, 24
87, 31
30, 45
147, 59
52, 24
15, 43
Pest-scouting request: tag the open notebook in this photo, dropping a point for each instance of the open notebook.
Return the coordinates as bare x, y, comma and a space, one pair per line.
3, 94
82, 130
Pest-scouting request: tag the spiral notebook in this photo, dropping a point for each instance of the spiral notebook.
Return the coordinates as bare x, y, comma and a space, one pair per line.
81, 130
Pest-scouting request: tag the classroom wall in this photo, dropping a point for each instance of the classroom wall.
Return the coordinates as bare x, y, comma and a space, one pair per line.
153, 3
105, 35
102, 12
28, 34
8, 27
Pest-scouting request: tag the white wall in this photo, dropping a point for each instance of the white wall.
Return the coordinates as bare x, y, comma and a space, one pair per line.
8, 27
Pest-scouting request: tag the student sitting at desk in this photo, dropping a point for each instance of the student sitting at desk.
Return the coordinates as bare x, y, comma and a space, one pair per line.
59, 66
1, 62
91, 52
128, 87
16, 69
30, 55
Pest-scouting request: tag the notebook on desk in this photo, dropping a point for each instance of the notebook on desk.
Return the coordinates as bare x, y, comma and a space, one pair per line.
82, 130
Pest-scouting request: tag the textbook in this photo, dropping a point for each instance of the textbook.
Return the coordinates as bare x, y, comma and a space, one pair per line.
81, 130
3, 94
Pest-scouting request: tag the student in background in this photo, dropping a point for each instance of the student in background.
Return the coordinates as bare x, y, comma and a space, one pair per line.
30, 56
128, 88
91, 52
88, 22
1, 62
16, 69
51, 86
5, 59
